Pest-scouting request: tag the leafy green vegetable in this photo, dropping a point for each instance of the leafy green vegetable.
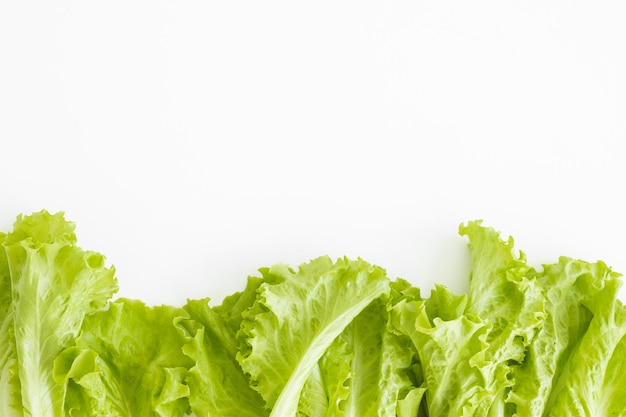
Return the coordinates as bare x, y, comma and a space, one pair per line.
296, 319
586, 383
523, 343
127, 361
329, 339
504, 293
54, 284
367, 370
565, 324
10, 395
451, 354
218, 385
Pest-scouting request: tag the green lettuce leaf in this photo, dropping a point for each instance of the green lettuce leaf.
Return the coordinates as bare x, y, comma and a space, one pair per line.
330, 339
452, 357
613, 400
327, 388
505, 293
408, 381
217, 384
570, 286
468, 346
127, 361
368, 369
10, 396
54, 285
364, 372
294, 321
591, 382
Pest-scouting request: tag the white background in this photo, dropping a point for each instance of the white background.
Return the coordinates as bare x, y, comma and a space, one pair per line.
193, 142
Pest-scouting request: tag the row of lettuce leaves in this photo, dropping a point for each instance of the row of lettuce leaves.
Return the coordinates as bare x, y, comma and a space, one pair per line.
330, 338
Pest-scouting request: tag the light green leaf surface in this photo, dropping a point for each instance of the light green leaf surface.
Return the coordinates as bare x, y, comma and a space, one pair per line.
127, 362
452, 355
326, 390
364, 372
364, 339
295, 320
330, 339
217, 384
10, 395
54, 284
369, 369
569, 286
505, 293
591, 381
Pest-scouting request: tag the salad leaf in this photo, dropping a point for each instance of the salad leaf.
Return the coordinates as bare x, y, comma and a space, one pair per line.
54, 285
569, 286
369, 369
127, 361
409, 381
217, 384
327, 388
10, 396
506, 295
452, 357
328, 339
591, 382
364, 372
294, 321
469, 345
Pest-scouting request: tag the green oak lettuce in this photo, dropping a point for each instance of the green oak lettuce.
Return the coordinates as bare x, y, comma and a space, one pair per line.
218, 386
470, 345
575, 364
365, 372
127, 361
331, 338
296, 318
365, 369
10, 395
522, 342
565, 323
451, 355
54, 285
591, 381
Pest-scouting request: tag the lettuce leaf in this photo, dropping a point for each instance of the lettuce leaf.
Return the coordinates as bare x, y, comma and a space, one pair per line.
591, 382
217, 384
469, 346
10, 395
54, 285
127, 361
368, 369
565, 323
329, 339
505, 293
327, 387
294, 321
452, 357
